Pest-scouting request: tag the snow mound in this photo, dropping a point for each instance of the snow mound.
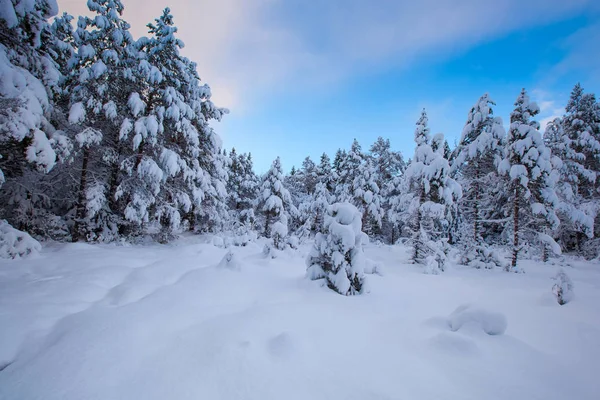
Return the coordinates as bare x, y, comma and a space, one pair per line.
16, 244
490, 322
229, 261
563, 288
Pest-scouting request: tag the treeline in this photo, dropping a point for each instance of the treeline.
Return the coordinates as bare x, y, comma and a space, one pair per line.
105, 137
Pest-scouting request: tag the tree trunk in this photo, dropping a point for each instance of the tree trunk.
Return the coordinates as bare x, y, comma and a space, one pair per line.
476, 219
516, 227
418, 253
80, 213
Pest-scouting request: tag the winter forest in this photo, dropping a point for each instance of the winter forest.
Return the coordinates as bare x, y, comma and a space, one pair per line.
112, 140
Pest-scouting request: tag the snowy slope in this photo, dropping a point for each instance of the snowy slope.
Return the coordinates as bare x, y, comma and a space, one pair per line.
168, 322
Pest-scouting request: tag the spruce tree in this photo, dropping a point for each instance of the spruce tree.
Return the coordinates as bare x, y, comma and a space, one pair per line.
528, 167
429, 192
474, 166
337, 254
274, 203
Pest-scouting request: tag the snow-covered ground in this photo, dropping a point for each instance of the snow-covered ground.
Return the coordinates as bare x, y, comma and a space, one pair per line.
173, 322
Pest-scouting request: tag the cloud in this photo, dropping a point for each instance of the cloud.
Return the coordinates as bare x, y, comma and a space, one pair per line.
550, 107
582, 55
246, 49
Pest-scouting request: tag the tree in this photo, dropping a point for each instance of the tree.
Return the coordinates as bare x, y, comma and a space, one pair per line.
474, 166
242, 189
428, 193
30, 145
357, 185
575, 139
528, 166
388, 163
103, 97
574, 220
337, 254
475, 162
189, 151
274, 201
325, 173
389, 166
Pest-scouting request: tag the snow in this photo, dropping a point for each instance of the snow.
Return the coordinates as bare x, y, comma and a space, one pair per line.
490, 322
16, 244
86, 321
77, 113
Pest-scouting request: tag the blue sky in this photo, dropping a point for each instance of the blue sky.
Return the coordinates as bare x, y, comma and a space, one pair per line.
302, 78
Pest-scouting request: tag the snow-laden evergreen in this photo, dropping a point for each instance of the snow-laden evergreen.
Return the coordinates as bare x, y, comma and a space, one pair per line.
188, 149
242, 189
427, 196
531, 176
30, 144
274, 204
474, 165
337, 255
563, 288
357, 184
575, 140
15, 243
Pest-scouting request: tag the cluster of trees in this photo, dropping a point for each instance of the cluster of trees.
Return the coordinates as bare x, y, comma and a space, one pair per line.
536, 193
106, 137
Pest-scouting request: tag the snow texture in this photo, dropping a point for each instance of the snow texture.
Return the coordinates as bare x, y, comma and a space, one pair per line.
16, 244
492, 323
154, 322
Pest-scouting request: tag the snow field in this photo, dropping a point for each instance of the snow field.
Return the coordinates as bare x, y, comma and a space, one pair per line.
190, 321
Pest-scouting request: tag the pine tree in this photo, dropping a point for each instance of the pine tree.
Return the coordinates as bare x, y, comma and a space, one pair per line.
388, 163
29, 75
30, 145
103, 91
475, 162
195, 181
274, 203
577, 143
389, 166
574, 221
242, 188
428, 194
325, 173
337, 254
474, 165
528, 166
357, 185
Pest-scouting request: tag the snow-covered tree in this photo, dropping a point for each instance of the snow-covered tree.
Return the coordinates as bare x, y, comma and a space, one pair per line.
102, 91
337, 255
429, 192
28, 76
574, 220
474, 166
475, 163
388, 163
357, 185
325, 173
575, 139
188, 151
389, 166
563, 288
30, 145
531, 177
242, 189
274, 202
